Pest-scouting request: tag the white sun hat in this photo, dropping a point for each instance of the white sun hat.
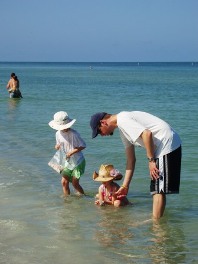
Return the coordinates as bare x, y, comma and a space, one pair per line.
61, 121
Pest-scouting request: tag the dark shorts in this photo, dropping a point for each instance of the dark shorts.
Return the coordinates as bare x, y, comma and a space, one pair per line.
169, 177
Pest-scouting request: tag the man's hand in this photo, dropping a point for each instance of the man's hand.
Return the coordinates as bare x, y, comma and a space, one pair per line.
122, 191
154, 172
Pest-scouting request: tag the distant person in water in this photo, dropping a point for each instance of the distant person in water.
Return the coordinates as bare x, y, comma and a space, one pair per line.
13, 86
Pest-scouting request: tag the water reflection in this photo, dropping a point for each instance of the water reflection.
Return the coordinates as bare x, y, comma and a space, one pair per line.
168, 243
143, 241
13, 103
13, 107
111, 230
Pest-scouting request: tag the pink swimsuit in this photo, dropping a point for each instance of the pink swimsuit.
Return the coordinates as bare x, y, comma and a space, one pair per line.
104, 193
108, 195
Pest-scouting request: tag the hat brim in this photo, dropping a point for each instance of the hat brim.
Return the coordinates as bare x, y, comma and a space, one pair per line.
101, 179
98, 178
55, 126
95, 133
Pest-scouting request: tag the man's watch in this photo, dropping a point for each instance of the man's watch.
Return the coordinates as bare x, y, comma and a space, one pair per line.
151, 159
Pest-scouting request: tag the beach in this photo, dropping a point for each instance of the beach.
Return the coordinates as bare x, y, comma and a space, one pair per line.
39, 225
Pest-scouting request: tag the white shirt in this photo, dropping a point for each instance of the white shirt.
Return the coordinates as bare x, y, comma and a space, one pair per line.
132, 124
68, 141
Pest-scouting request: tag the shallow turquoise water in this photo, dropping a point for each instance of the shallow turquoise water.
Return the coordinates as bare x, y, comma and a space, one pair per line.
37, 225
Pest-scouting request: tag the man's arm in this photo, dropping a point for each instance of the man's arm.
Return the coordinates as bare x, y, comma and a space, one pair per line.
147, 139
130, 167
9, 84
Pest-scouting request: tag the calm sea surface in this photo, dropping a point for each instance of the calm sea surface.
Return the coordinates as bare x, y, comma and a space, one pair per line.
38, 225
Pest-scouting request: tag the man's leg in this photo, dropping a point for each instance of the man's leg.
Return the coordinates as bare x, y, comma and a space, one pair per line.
159, 204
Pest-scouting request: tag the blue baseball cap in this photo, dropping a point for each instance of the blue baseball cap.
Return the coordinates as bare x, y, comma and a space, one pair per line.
95, 122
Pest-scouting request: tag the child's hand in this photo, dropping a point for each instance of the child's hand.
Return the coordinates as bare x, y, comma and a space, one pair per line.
72, 152
57, 146
98, 202
68, 155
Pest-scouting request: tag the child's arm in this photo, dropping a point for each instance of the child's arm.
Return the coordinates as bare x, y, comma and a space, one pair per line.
75, 150
100, 201
57, 146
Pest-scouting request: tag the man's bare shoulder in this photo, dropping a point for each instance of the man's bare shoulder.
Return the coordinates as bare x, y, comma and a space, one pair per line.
10, 82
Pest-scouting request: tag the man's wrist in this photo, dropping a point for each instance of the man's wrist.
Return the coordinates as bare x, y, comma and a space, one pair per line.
124, 186
151, 159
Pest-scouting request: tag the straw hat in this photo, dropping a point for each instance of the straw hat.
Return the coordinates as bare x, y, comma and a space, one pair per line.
107, 173
61, 121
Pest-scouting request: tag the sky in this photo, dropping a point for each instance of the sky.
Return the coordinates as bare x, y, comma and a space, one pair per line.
99, 30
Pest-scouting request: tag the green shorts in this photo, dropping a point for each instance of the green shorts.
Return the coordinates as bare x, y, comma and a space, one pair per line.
77, 172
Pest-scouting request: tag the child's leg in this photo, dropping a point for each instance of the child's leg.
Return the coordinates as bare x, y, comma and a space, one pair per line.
122, 202
65, 185
77, 186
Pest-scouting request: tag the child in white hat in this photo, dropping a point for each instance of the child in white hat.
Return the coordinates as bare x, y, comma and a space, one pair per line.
107, 190
72, 144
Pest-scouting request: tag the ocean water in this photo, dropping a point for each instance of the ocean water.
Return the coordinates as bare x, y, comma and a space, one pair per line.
39, 225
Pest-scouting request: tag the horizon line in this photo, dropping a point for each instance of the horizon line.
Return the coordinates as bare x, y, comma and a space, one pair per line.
189, 61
